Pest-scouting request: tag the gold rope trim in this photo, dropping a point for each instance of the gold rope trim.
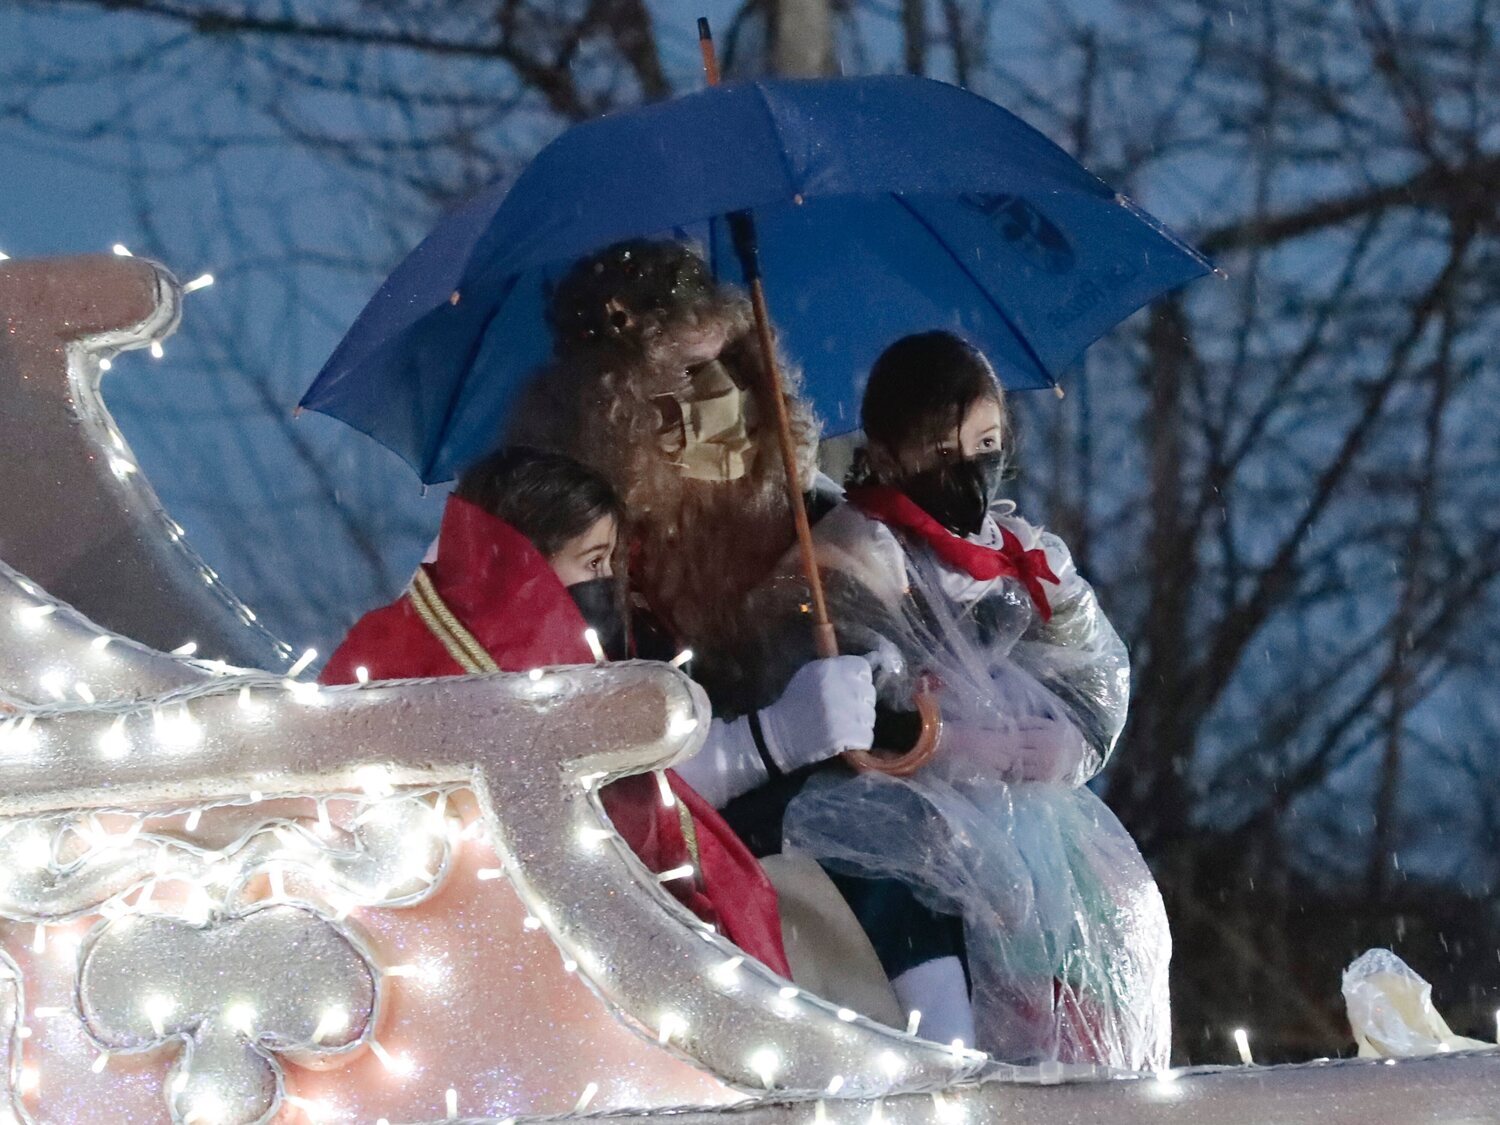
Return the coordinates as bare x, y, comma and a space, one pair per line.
472, 657
460, 644
689, 835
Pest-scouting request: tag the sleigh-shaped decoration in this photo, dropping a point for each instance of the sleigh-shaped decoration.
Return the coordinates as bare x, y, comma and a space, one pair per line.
231, 896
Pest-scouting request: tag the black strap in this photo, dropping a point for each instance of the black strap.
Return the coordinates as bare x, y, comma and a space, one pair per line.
773, 771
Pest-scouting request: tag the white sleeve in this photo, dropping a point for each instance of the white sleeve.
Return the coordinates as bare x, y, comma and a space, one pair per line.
727, 766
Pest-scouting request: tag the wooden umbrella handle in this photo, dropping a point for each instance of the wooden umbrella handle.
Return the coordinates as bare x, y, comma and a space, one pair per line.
825, 641
710, 56
905, 763
824, 638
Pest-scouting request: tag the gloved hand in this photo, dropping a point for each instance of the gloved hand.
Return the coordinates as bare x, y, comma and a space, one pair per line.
1037, 749
828, 707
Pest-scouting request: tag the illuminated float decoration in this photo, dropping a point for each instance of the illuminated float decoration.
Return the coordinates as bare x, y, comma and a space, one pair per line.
231, 896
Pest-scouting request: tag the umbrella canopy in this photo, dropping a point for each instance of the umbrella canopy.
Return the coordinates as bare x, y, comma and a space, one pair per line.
885, 205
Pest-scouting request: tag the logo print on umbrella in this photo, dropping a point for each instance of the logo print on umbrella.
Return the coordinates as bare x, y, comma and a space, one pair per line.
1033, 235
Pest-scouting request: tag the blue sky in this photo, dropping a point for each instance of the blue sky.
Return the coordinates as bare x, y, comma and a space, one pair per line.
213, 442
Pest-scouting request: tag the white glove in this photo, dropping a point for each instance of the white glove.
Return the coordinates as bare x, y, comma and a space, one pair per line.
827, 708
1038, 749
727, 765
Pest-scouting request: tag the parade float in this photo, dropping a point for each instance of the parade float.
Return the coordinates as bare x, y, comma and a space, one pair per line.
230, 895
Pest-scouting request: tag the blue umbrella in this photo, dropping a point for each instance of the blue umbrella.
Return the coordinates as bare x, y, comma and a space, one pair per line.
884, 205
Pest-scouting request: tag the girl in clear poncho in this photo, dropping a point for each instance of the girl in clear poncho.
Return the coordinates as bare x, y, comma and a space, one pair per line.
1064, 942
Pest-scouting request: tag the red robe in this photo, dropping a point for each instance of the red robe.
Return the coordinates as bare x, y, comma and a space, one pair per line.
505, 593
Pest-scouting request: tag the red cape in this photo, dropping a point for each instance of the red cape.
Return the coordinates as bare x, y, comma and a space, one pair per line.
893, 507
506, 594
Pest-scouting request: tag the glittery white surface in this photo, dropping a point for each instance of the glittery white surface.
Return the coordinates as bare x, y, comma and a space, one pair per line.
476, 1002
231, 994
393, 852
77, 515
50, 649
1435, 1090
563, 735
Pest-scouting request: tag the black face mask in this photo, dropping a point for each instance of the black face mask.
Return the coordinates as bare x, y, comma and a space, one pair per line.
600, 607
957, 494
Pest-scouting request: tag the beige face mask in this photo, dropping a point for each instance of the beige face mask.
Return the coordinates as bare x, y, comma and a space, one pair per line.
706, 432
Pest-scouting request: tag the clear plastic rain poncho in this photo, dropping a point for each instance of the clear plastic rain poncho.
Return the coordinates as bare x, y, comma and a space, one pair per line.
1065, 930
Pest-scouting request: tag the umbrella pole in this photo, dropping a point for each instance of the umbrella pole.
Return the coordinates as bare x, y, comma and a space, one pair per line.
710, 57
742, 228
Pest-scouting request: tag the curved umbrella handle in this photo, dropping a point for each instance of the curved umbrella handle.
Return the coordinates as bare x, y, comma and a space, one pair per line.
909, 762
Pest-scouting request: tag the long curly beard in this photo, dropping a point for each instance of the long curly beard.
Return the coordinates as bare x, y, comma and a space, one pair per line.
697, 548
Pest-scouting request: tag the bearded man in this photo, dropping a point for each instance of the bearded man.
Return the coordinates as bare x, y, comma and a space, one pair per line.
657, 383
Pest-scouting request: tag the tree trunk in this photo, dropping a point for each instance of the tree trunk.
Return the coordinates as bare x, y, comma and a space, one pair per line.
914, 29
1148, 789
802, 38
1384, 849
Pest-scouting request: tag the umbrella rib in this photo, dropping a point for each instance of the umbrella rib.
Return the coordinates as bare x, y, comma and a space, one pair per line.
1164, 232
786, 164
429, 461
967, 272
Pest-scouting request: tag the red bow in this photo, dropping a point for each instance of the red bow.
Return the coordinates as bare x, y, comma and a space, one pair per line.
892, 506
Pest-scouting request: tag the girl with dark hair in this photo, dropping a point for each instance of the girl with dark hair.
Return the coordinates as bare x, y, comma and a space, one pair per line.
549, 498
958, 418
523, 569
568, 513
1061, 945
